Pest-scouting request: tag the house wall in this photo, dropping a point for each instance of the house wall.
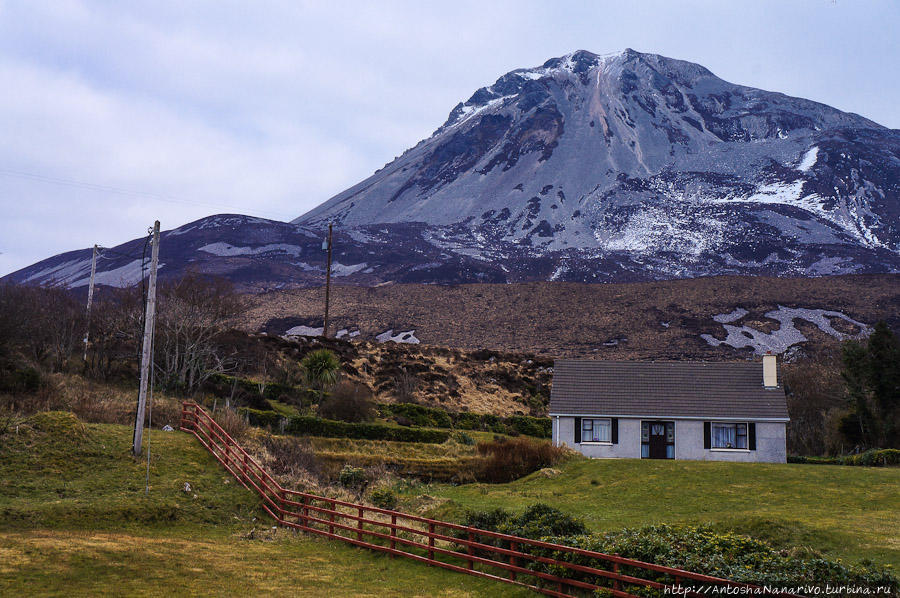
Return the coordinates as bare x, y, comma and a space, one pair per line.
770, 442
628, 447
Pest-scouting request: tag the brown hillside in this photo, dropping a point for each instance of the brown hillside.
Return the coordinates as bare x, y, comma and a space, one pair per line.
605, 321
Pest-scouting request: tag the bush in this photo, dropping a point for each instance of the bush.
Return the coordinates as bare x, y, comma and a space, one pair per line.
869, 458
263, 419
727, 555
385, 498
232, 422
253, 393
538, 427
290, 456
300, 425
352, 477
348, 402
537, 521
501, 462
464, 439
420, 415
19, 381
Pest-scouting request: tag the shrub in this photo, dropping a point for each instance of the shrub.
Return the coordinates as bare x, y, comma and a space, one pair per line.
464, 439
539, 427
352, 477
232, 422
501, 462
321, 369
349, 402
405, 387
290, 456
300, 425
536, 521
385, 498
19, 381
727, 555
264, 419
869, 458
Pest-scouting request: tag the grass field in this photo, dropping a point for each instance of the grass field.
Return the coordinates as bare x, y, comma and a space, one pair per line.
847, 512
75, 521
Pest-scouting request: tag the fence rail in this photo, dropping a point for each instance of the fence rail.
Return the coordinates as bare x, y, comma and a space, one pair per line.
515, 560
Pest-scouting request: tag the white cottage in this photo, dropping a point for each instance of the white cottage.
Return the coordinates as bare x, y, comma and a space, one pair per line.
670, 410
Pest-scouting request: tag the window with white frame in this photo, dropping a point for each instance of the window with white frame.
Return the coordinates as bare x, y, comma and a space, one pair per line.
729, 435
596, 430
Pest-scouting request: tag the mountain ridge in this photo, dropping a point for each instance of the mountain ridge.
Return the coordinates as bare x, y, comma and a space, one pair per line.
618, 167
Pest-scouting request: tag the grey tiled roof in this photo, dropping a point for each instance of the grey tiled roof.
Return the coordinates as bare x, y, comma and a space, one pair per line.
664, 389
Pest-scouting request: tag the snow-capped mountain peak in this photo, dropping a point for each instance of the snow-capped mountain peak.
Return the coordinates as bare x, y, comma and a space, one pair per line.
603, 167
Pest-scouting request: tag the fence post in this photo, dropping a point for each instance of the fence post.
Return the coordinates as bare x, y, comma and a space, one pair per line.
359, 525
469, 550
512, 560
393, 534
331, 517
430, 541
616, 584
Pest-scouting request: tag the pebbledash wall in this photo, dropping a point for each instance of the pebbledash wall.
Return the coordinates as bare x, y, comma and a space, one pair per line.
770, 441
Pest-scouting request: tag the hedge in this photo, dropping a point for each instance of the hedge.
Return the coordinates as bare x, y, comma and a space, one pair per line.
697, 548
300, 425
221, 384
869, 458
420, 415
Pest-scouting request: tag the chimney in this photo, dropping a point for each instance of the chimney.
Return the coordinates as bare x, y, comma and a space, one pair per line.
770, 371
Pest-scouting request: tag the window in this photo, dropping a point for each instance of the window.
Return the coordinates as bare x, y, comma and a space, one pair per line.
596, 430
729, 436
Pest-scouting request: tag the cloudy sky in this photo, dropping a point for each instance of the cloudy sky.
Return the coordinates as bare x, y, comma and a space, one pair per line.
114, 114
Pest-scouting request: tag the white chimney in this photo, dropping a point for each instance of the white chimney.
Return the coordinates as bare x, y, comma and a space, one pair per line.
770, 371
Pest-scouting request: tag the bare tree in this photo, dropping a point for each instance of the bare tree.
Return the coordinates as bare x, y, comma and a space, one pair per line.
192, 314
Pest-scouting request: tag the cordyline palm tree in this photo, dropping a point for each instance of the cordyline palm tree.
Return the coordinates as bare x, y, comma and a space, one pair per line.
321, 369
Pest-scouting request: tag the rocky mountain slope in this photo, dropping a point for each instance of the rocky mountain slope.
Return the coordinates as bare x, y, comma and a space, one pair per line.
588, 168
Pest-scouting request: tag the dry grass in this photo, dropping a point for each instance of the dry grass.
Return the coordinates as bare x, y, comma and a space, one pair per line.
94, 402
572, 319
509, 460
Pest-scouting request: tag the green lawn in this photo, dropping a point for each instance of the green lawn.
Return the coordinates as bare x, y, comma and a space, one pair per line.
75, 521
848, 512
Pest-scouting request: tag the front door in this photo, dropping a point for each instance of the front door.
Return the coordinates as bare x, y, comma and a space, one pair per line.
658, 438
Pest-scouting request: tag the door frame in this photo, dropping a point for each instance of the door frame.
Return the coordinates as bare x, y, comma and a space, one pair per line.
674, 442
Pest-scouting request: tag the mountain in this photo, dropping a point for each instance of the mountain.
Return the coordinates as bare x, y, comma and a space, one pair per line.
620, 167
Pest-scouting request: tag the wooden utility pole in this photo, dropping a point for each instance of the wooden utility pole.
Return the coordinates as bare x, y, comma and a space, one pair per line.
87, 330
146, 353
327, 283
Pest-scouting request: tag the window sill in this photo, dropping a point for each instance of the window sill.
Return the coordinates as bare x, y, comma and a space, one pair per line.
598, 443
730, 450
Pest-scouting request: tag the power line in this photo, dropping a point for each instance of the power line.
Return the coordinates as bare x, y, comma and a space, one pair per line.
120, 191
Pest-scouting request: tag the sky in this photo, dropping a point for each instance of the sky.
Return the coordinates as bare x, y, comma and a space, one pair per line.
114, 114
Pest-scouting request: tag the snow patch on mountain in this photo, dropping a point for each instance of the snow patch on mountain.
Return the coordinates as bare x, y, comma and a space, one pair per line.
653, 229
338, 269
61, 274
408, 336
226, 250
122, 277
734, 316
304, 331
809, 159
786, 335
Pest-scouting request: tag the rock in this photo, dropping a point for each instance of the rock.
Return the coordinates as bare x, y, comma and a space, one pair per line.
187, 487
168, 428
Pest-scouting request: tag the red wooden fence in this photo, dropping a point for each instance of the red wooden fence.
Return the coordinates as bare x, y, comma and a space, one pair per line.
439, 543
